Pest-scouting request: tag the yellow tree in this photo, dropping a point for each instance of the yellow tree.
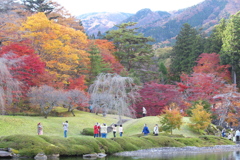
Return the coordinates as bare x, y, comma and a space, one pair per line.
61, 47
172, 119
11, 17
200, 119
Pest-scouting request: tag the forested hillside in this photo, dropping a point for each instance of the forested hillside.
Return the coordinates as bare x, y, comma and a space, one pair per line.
164, 26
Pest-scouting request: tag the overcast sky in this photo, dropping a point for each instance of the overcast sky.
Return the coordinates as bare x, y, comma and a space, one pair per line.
78, 7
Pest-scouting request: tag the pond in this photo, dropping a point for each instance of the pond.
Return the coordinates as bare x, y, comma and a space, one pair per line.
232, 155
226, 152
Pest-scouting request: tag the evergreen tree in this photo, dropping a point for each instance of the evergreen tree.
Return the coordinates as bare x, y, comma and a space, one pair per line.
133, 49
163, 73
97, 65
214, 43
189, 45
99, 35
36, 6
230, 53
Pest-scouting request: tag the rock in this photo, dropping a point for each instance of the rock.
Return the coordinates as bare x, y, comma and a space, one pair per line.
53, 156
40, 156
90, 156
101, 155
5, 154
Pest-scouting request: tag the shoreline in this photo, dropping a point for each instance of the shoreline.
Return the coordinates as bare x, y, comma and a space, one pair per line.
176, 151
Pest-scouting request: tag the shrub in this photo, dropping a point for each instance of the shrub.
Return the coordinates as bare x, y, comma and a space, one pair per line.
109, 145
87, 131
190, 141
162, 141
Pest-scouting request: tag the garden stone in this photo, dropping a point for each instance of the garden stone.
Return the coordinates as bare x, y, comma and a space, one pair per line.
90, 156
53, 156
5, 154
40, 156
101, 155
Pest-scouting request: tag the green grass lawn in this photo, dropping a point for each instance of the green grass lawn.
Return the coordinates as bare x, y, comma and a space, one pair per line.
52, 126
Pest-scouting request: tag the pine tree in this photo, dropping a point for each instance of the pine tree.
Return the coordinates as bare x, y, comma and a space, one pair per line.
133, 49
214, 43
36, 6
99, 35
188, 47
163, 73
97, 64
230, 53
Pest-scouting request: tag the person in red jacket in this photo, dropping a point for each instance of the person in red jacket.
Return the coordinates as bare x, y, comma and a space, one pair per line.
95, 130
99, 130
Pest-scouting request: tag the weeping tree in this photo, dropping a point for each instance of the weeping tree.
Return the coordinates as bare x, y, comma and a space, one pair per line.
46, 98
111, 91
9, 87
73, 99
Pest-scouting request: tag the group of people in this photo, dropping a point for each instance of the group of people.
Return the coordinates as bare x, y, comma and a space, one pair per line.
102, 130
65, 129
146, 131
231, 135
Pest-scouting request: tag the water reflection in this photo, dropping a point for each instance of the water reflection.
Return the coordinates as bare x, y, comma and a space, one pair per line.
203, 156
235, 155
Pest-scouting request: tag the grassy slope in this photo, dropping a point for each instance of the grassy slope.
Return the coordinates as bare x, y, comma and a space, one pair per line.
135, 126
52, 126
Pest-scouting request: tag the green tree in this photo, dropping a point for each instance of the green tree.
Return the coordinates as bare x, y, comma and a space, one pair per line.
99, 35
230, 53
133, 49
214, 43
97, 65
189, 45
163, 73
36, 6
200, 119
172, 119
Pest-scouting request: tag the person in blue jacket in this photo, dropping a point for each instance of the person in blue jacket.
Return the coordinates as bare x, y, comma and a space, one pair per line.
145, 130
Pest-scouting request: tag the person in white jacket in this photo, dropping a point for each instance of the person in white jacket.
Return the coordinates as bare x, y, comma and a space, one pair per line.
104, 130
155, 130
120, 129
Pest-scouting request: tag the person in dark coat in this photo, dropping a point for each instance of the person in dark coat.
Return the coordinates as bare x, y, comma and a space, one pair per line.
145, 130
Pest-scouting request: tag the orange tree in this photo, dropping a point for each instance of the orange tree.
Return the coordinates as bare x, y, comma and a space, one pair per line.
200, 119
172, 119
61, 47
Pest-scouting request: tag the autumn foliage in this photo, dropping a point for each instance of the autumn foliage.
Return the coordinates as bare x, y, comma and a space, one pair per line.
154, 97
106, 50
200, 119
171, 119
28, 68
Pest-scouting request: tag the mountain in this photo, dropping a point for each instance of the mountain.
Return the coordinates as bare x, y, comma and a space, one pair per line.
103, 21
165, 26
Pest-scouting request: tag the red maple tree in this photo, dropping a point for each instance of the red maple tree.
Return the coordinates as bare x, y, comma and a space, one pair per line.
154, 97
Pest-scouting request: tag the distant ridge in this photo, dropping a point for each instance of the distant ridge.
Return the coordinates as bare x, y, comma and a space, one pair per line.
165, 26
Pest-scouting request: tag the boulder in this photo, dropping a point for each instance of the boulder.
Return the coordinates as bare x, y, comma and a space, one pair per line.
53, 156
101, 155
40, 156
90, 156
5, 154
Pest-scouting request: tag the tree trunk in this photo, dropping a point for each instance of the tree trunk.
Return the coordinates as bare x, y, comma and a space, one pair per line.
234, 76
72, 113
